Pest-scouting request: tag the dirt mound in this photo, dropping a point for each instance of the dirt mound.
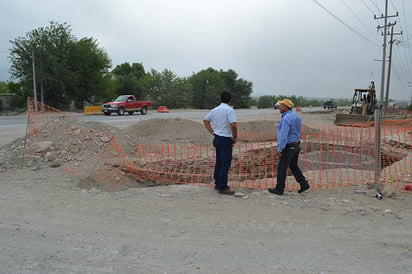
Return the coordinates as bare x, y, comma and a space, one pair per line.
257, 126
12, 156
183, 131
170, 131
99, 126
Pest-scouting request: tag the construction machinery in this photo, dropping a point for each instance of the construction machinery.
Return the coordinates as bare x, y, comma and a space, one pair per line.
362, 107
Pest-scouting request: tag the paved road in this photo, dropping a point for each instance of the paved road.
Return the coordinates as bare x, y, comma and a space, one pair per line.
12, 127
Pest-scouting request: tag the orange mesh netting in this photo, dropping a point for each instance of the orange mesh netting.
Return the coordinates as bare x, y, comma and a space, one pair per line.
331, 156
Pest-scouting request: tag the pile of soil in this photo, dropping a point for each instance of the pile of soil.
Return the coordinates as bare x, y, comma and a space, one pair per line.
168, 131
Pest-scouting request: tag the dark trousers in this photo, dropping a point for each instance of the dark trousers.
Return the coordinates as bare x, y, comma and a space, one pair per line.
223, 147
289, 159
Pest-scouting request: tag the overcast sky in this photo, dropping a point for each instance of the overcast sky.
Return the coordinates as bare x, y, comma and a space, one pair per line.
309, 48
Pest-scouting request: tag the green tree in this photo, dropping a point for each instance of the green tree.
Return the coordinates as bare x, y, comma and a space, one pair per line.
266, 101
343, 102
297, 101
129, 79
89, 67
240, 89
3, 88
19, 100
66, 68
253, 102
208, 85
313, 102
178, 93
165, 88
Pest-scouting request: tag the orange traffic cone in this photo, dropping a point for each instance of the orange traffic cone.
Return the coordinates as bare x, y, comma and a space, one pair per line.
162, 109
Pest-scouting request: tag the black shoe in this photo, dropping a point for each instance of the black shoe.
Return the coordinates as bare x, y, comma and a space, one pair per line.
304, 188
227, 192
275, 191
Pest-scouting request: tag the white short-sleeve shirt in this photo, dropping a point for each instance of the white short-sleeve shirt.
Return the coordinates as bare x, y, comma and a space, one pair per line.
221, 117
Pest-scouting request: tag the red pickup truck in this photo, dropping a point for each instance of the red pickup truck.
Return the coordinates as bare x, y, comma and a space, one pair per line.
126, 103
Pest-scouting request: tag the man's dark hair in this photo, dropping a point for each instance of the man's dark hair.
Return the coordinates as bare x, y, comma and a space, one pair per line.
225, 97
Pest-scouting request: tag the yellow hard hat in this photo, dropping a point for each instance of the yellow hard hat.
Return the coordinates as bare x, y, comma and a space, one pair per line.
287, 103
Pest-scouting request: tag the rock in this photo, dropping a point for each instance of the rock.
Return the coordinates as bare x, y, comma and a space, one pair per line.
48, 154
36, 168
105, 138
388, 190
42, 146
371, 193
55, 163
370, 185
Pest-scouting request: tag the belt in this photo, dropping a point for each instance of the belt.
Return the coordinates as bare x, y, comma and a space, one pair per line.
221, 136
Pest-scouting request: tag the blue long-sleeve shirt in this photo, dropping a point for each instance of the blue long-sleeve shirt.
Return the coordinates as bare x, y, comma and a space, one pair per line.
289, 129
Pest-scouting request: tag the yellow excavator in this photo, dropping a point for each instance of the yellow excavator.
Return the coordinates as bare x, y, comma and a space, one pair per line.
362, 107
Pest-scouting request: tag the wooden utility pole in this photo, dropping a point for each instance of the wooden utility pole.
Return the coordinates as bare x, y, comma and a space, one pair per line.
378, 110
384, 50
34, 81
389, 67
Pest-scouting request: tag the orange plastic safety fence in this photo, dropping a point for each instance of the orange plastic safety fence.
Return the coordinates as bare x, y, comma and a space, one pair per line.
331, 156
57, 136
175, 164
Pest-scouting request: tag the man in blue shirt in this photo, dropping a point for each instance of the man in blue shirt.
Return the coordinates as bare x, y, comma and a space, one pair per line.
289, 129
223, 119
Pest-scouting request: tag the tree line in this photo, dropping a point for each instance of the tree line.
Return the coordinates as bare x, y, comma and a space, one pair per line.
69, 70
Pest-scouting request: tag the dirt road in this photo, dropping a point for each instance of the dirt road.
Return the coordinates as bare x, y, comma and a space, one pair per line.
51, 223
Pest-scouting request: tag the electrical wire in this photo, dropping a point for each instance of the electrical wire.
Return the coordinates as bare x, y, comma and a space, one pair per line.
397, 62
376, 6
402, 88
380, 20
363, 2
357, 17
403, 64
400, 64
407, 40
345, 24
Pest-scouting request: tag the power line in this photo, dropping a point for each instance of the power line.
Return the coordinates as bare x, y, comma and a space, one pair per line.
400, 84
393, 5
405, 50
376, 6
401, 65
402, 55
404, 65
367, 7
357, 17
407, 37
345, 24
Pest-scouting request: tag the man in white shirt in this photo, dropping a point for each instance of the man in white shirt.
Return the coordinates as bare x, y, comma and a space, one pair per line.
223, 119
